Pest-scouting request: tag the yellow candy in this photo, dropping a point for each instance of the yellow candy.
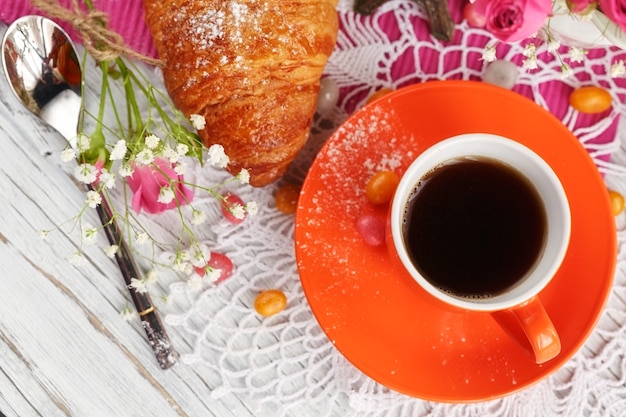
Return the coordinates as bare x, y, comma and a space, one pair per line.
270, 302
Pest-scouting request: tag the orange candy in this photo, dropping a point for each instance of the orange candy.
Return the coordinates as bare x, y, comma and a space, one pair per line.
381, 187
590, 99
270, 302
617, 202
287, 198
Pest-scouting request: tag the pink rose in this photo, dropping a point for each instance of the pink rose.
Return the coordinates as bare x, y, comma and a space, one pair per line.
157, 187
513, 20
614, 10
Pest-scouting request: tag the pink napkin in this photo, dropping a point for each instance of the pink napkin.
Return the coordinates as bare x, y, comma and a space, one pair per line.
125, 17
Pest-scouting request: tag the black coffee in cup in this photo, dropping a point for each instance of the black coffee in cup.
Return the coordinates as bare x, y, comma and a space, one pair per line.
474, 227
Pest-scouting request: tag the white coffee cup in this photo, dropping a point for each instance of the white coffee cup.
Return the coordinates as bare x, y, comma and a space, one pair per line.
520, 302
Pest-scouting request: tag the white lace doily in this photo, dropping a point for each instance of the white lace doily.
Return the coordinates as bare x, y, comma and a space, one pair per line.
285, 362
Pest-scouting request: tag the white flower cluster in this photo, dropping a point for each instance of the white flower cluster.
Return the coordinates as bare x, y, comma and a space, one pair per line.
141, 285
574, 54
153, 147
123, 159
530, 61
190, 261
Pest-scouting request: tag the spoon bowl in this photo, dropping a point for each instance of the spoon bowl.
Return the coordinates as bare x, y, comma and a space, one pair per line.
43, 70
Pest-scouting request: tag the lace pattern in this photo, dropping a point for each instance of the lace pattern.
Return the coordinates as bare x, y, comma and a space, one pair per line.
285, 361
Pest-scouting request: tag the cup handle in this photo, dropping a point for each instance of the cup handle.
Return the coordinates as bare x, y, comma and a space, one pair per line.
530, 326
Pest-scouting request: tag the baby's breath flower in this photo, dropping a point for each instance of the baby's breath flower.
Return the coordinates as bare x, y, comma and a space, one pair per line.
86, 173
217, 156
198, 217
170, 154
180, 168
128, 314
243, 176
530, 50
182, 149
152, 141
77, 259
179, 261
141, 238
68, 155
107, 178
90, 234
566, 71
618, 69
119, 150
43, 234
238, 211
197, 121
111, 250
138, 285
145, 157
93, 199
530, 63
83, 143
489, 54
212, 274
576, 54
200, 255
252, 208
553, 45
126, 170
166, 195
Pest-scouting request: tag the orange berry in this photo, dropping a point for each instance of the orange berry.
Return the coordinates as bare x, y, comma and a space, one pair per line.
617, 202
590, 99
381, 187
270, 302
287, 198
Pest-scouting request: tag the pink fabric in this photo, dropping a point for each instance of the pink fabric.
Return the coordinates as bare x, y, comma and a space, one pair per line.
126, 17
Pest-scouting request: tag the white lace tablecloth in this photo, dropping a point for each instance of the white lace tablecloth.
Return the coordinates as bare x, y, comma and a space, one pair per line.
284, 365
285, 361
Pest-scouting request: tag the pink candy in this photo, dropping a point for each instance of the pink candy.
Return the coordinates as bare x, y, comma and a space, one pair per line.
221, 262
372, 229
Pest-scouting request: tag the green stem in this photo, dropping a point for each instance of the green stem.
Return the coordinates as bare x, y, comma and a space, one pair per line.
150, 95
135, 123
103, 95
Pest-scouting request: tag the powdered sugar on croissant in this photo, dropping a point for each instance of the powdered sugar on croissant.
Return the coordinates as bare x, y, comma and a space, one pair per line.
251, 68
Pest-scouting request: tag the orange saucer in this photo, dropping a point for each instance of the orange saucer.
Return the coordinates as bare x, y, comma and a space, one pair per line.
375, 314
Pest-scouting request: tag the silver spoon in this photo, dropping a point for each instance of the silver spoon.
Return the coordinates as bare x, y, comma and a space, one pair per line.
41, 64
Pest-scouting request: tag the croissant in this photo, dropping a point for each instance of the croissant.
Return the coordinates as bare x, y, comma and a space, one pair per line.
252, 68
